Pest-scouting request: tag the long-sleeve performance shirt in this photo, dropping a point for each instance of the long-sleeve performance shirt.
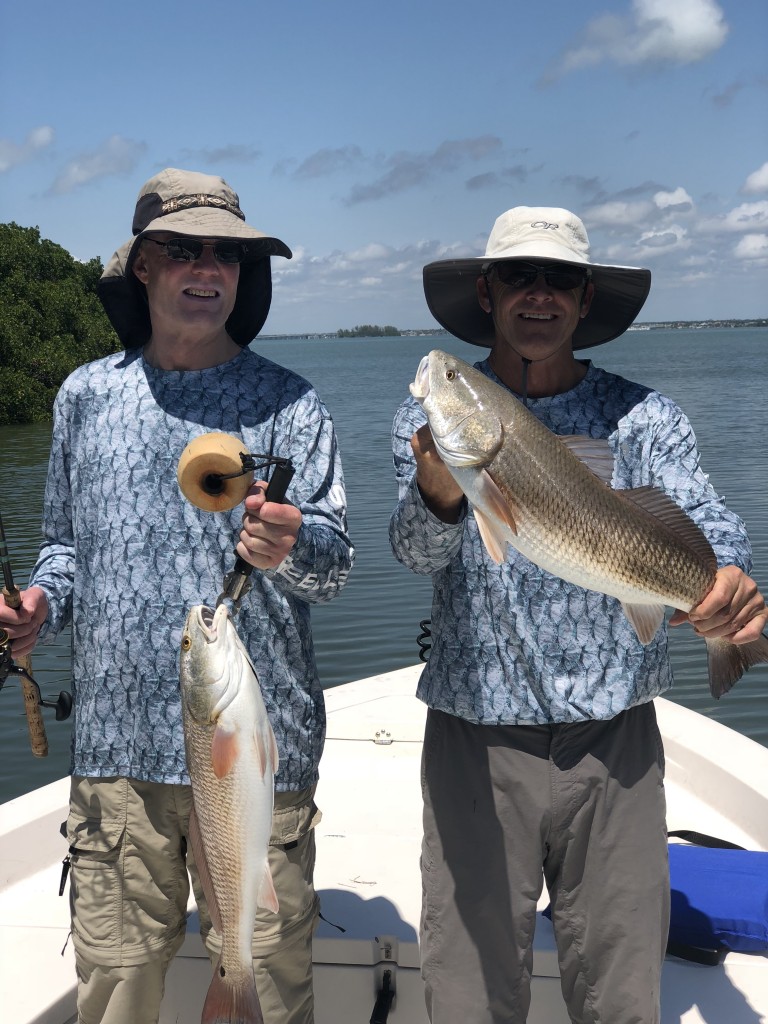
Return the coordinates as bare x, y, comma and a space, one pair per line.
514, 644
125, 555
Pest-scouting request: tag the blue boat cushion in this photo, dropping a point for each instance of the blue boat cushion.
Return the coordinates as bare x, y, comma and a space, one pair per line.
719, 898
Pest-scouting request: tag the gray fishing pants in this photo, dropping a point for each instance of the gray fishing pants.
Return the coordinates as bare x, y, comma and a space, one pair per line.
580, 806
129, 892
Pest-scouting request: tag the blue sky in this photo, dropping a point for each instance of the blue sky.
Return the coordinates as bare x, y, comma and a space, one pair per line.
374, 138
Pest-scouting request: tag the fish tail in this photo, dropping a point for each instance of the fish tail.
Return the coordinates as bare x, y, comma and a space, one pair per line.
728, 662
232, 999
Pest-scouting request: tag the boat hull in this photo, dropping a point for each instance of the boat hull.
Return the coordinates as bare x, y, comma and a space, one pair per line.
367, 874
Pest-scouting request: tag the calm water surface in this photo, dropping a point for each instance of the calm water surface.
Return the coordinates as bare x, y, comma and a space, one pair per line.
718, 376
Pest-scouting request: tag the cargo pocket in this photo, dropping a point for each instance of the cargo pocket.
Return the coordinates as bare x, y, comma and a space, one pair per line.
95, 848
293, 817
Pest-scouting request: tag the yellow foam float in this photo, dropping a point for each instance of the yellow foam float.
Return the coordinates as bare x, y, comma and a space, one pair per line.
202, 465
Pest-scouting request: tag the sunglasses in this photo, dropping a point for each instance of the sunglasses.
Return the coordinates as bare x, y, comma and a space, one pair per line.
523, 275
187, 250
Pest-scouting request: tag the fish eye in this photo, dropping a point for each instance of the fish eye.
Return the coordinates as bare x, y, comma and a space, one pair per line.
186, 642
450, 375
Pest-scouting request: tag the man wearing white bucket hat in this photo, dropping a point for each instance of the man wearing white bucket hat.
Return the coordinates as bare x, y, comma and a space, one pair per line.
125, 556
542, 758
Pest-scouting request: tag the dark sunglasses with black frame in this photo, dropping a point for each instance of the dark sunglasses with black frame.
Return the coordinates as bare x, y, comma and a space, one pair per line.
561, 277
187, 250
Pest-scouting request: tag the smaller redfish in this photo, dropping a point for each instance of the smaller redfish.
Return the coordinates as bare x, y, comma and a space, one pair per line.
231, 759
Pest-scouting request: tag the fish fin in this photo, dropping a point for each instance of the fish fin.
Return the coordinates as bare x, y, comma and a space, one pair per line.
496, 509
225, 749
495, 545
201, 863
594, 452
267, 894
645, 619
261, 754
233, 1001
728, 662
668, 512
265, 747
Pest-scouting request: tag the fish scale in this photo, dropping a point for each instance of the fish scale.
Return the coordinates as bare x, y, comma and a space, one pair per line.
574, 525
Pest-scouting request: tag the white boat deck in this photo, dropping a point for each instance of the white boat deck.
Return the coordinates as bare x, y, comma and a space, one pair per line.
367, 875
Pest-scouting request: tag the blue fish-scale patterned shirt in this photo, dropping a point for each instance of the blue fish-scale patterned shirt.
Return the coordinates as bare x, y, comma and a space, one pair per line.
125, 555
513, 644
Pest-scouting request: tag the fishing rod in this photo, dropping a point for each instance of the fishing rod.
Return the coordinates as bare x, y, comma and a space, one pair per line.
237, 581
22, 667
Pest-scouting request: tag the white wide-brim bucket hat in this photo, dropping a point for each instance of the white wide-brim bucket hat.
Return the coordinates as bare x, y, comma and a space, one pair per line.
198, 205
543, 235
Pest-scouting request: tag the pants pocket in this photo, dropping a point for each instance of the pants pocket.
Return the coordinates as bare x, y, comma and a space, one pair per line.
95, 833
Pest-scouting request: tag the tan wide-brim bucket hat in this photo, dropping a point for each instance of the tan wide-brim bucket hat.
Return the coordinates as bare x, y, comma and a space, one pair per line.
198, 205
542, 235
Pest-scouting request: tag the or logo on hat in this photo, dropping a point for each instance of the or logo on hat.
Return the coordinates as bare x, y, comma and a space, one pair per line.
543, 224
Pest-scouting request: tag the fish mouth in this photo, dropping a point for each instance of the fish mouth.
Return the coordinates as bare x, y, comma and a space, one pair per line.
420, 387
210, 621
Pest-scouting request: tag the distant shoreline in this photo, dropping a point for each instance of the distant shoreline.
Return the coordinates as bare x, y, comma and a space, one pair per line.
660, 325
676, 325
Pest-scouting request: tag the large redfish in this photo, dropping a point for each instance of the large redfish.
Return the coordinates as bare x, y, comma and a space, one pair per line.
550, 498
231, 759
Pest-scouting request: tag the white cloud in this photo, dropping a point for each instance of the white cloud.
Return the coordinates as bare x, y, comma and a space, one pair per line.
679, 197
391, 275
116, 156
12, 154
752, 247
757, 181
373, 252
670, 238
617, 213
653, 32
747, 217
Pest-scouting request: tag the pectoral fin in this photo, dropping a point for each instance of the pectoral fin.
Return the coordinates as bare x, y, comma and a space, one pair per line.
494, 517
495, 543
225, 749
645, 619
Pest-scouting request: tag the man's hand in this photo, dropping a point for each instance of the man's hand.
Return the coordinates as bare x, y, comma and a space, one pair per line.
269, 529
734, 608
441, 494
23, 624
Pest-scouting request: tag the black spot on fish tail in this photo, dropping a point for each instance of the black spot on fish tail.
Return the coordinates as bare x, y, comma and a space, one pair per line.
232, 1002
728, 662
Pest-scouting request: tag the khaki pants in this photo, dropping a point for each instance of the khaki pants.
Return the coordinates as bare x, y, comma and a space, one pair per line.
129, 892
506, 807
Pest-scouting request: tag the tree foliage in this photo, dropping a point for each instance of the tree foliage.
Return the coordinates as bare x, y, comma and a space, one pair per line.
370, 331
51, 321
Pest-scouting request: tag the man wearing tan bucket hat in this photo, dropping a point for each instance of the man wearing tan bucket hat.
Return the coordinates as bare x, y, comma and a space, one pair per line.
125, 556
542, 758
